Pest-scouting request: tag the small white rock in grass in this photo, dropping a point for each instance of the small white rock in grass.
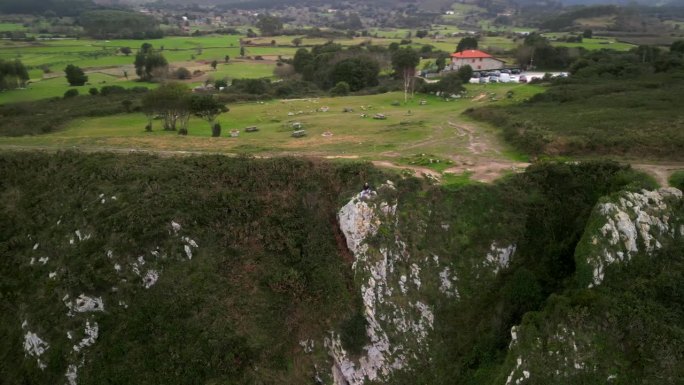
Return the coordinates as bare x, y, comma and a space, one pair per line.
34, 346
117, 267
113, 197
175, 226
190, 242
24, 324
78, 234
33, 260
150, 278
43, 260
35, 247
141, 260
123, 304
91, 333
85, 304
188, 251
71, 241
110, 254
72, 374
52, 275
69, 335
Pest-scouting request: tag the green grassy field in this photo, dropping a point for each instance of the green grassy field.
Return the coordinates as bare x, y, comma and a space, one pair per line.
56, 87
435, 130
12, 27
592, 44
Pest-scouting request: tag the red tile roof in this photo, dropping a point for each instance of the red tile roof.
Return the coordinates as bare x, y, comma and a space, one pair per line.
470, 54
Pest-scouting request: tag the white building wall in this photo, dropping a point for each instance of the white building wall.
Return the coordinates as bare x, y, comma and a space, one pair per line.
483, 64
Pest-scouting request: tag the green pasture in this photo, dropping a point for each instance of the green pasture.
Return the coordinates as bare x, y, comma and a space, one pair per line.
12, 27
243, 70
409, 129
597, 44
56, 87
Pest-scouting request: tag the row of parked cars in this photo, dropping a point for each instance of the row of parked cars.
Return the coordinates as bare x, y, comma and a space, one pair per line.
506, 76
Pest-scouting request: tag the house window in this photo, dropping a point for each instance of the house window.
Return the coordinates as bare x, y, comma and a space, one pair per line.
479, 67
473, 60
480, 59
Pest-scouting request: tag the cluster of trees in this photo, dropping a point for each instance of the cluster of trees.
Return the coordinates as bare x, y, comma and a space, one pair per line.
329, 64
537, 51
150, 65
107, 24
174, 103
269, 25
13, 75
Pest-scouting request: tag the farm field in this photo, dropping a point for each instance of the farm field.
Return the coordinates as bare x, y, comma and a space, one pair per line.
430, 138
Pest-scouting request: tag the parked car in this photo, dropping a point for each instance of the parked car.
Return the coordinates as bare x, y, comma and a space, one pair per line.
504, 78
515, 71
476, 75
483, 80
504, 71
493, 79
522, 79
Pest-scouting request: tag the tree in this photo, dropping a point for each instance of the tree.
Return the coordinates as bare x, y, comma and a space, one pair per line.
302, 62
421, 34
149, 64
297, 41
71, 93
269, 25
677, 46
358, 72
440, 62
214, 64
467, 43
13, 74
404, 62
221, 83
75, 75
126, 51
588, 34
448, 85
465, 73
206, 107
226, 59
340, 89
171, 101
242, 51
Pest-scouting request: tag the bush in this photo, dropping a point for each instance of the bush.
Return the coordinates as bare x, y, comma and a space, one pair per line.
353, 333
340, 89
94, 91
111, 90
71, 93
183, 73
677, 179
216, 130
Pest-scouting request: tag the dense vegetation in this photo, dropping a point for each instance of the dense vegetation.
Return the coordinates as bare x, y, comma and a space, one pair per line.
545, 211
269, 271
119, 25
272, 269
614, 104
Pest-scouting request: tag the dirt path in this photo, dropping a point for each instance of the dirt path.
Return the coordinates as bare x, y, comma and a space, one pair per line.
417, 171
661, 172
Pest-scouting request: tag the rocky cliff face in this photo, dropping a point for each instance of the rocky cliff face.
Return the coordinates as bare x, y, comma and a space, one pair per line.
578, 337
398, 289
